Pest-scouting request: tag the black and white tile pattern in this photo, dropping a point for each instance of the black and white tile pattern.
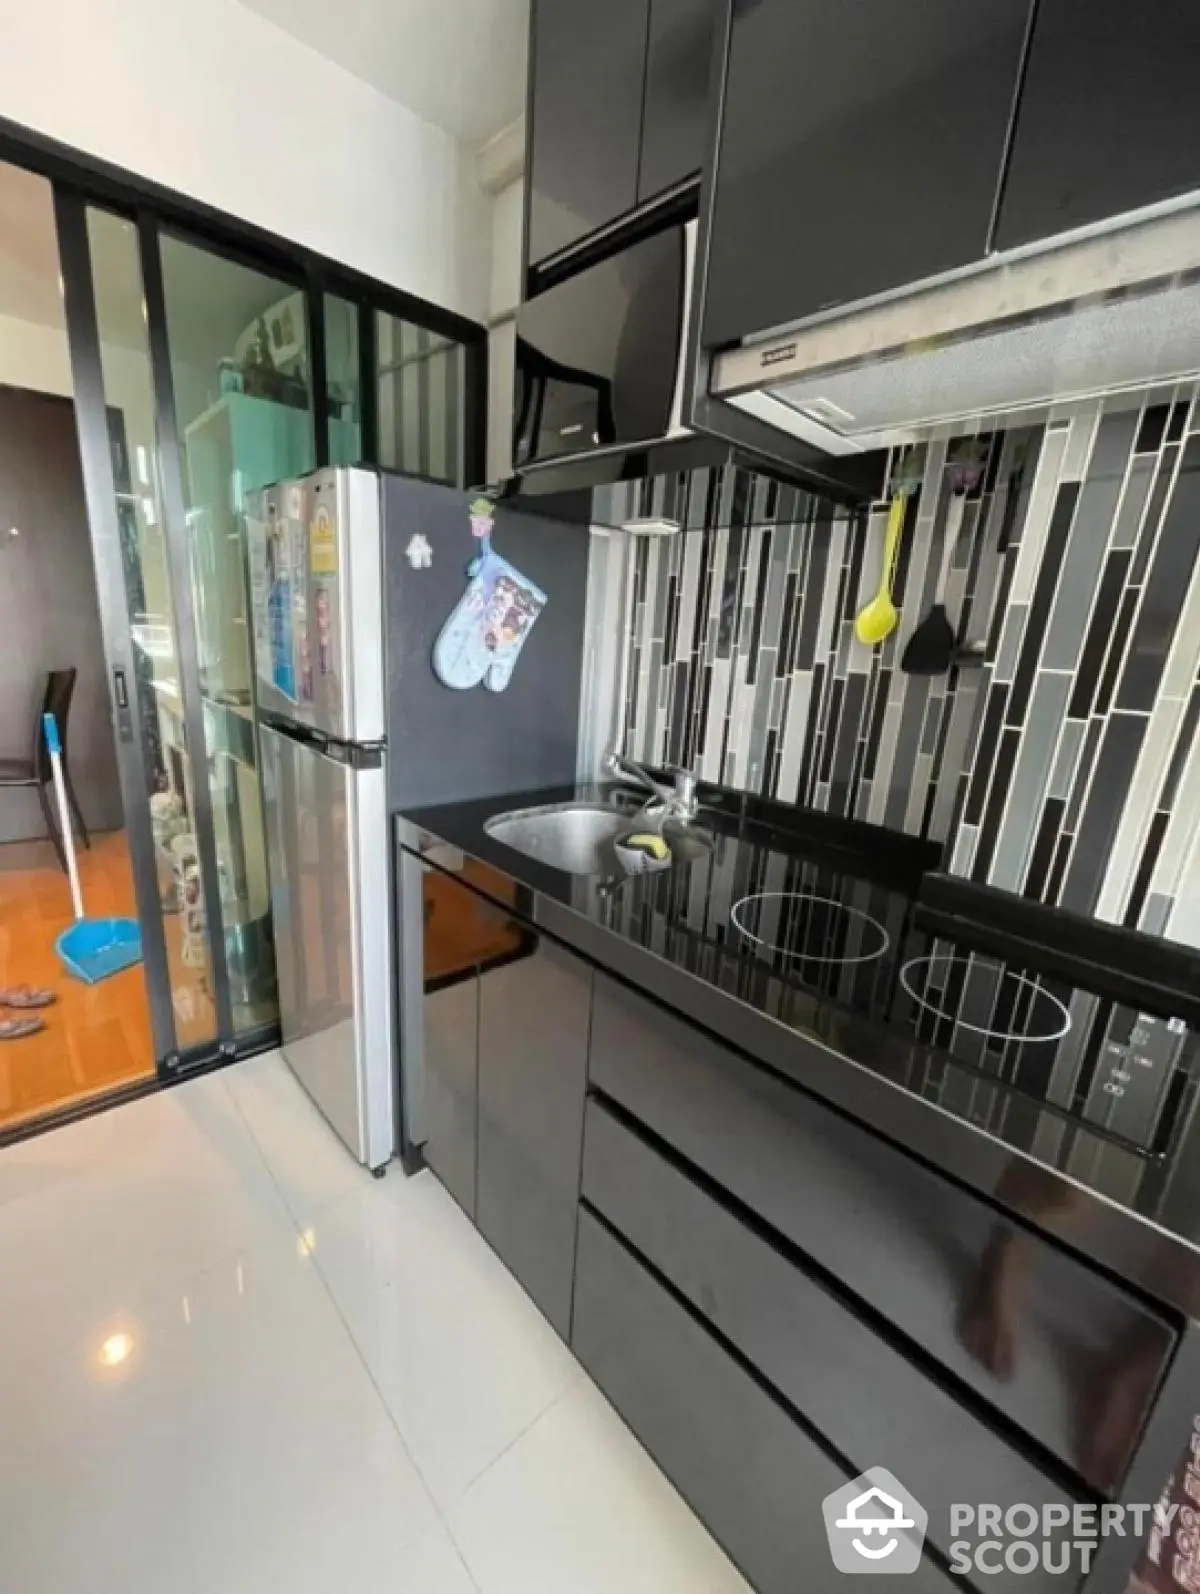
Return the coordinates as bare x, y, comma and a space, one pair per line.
1066, 766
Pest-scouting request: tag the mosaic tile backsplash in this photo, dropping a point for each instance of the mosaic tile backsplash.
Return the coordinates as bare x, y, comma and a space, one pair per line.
1062, 761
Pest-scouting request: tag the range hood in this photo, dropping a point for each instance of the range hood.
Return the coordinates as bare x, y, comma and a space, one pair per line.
1084, 316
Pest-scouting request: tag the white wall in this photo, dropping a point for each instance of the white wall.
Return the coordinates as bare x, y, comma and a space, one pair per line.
213, 101
504, 294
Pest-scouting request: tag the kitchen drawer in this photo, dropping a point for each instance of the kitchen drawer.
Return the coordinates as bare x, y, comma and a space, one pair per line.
1038, 1334
751, 1473
870, 1402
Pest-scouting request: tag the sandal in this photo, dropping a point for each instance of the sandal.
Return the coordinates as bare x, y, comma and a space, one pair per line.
26, 996
15, 1029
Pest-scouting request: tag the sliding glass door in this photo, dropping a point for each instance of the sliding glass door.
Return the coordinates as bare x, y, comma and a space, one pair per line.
191, 393
236, 339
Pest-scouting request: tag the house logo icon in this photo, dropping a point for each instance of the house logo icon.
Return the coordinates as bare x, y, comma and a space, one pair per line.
874, 1525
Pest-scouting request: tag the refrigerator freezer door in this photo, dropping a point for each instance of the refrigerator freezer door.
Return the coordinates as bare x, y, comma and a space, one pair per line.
276, 559
345, 606
316, 590
327, 842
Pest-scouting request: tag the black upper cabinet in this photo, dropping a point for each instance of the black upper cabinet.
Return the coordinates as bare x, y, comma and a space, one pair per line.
675, 119
861, 149
588, 75
1109, 117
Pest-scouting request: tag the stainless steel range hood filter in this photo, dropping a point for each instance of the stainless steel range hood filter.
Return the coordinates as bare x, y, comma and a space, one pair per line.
1102, 314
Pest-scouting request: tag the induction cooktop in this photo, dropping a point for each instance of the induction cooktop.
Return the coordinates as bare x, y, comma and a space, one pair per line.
1100, 1024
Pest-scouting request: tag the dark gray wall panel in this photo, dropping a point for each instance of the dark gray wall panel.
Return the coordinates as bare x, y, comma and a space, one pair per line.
49, 616
446, 745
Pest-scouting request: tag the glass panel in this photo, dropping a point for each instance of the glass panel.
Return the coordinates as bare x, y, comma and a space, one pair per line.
129, 395
239, 366
420, 400
343, 381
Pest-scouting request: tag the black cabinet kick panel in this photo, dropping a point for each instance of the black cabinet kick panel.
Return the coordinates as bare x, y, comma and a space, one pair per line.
964, 1023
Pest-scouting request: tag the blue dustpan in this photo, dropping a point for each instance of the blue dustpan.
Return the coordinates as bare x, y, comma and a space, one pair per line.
91, 949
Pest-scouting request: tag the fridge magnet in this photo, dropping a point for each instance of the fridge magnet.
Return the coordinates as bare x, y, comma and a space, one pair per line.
483, 637
280, 613
419, 553
322, 543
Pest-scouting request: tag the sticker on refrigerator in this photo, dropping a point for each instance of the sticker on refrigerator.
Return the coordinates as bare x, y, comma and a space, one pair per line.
324, 626
322, 543
280, 610
256, 553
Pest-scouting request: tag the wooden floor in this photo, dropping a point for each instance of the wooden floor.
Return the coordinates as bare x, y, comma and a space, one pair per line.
97, 1037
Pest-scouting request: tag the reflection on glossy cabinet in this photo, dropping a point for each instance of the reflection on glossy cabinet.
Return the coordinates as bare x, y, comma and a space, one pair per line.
675, 118
451, 1030
459, 933
1109, 117
861, 150
750, 1472
534, 1014
588, 69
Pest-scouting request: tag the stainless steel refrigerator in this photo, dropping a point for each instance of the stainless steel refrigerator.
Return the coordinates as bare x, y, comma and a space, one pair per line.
316, 604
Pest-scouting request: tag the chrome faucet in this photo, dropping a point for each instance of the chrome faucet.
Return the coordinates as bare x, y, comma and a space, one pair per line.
678, 801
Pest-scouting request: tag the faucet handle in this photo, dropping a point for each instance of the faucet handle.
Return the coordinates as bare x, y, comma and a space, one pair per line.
686, 782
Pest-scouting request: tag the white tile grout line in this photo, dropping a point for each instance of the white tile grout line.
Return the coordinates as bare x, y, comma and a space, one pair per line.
349, 1332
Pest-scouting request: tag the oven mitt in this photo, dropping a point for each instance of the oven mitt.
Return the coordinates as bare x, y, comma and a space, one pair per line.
483, 638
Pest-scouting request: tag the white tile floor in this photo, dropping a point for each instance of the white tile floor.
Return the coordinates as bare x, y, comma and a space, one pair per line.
233, 1363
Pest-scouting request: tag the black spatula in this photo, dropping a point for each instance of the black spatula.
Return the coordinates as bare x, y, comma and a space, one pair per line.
930, 649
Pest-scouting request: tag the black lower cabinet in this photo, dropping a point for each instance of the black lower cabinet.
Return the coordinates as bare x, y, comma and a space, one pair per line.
1017, 1320
863, 1394
747, 1469
534, 1013
451, 1073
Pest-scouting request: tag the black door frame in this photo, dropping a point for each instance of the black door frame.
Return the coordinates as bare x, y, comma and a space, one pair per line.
99, 484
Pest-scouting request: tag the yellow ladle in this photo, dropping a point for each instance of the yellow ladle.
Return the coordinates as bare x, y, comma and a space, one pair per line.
880, 617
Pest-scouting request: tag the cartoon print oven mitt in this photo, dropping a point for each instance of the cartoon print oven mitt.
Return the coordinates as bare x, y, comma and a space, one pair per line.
483, 638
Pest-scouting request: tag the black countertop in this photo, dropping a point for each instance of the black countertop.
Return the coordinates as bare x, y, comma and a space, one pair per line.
1041, 1059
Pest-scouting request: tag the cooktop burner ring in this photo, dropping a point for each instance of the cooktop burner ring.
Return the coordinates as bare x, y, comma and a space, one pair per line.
799, 953
949, 959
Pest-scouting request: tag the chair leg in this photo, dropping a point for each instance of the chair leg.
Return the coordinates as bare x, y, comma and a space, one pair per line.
74, 801
51, 828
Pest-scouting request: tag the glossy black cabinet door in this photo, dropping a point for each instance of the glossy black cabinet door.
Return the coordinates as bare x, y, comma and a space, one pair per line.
1109, 117
870, 1403
451, 1027
751, 1474
1018, 1320
861, 150
676, 116
534, 1013
589, 67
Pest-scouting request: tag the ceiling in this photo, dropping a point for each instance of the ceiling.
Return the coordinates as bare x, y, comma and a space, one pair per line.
459, 64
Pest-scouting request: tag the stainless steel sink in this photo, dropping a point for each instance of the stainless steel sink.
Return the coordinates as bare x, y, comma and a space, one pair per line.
574, 837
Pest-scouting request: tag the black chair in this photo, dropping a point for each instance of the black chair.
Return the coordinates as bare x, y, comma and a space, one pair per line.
36, 771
